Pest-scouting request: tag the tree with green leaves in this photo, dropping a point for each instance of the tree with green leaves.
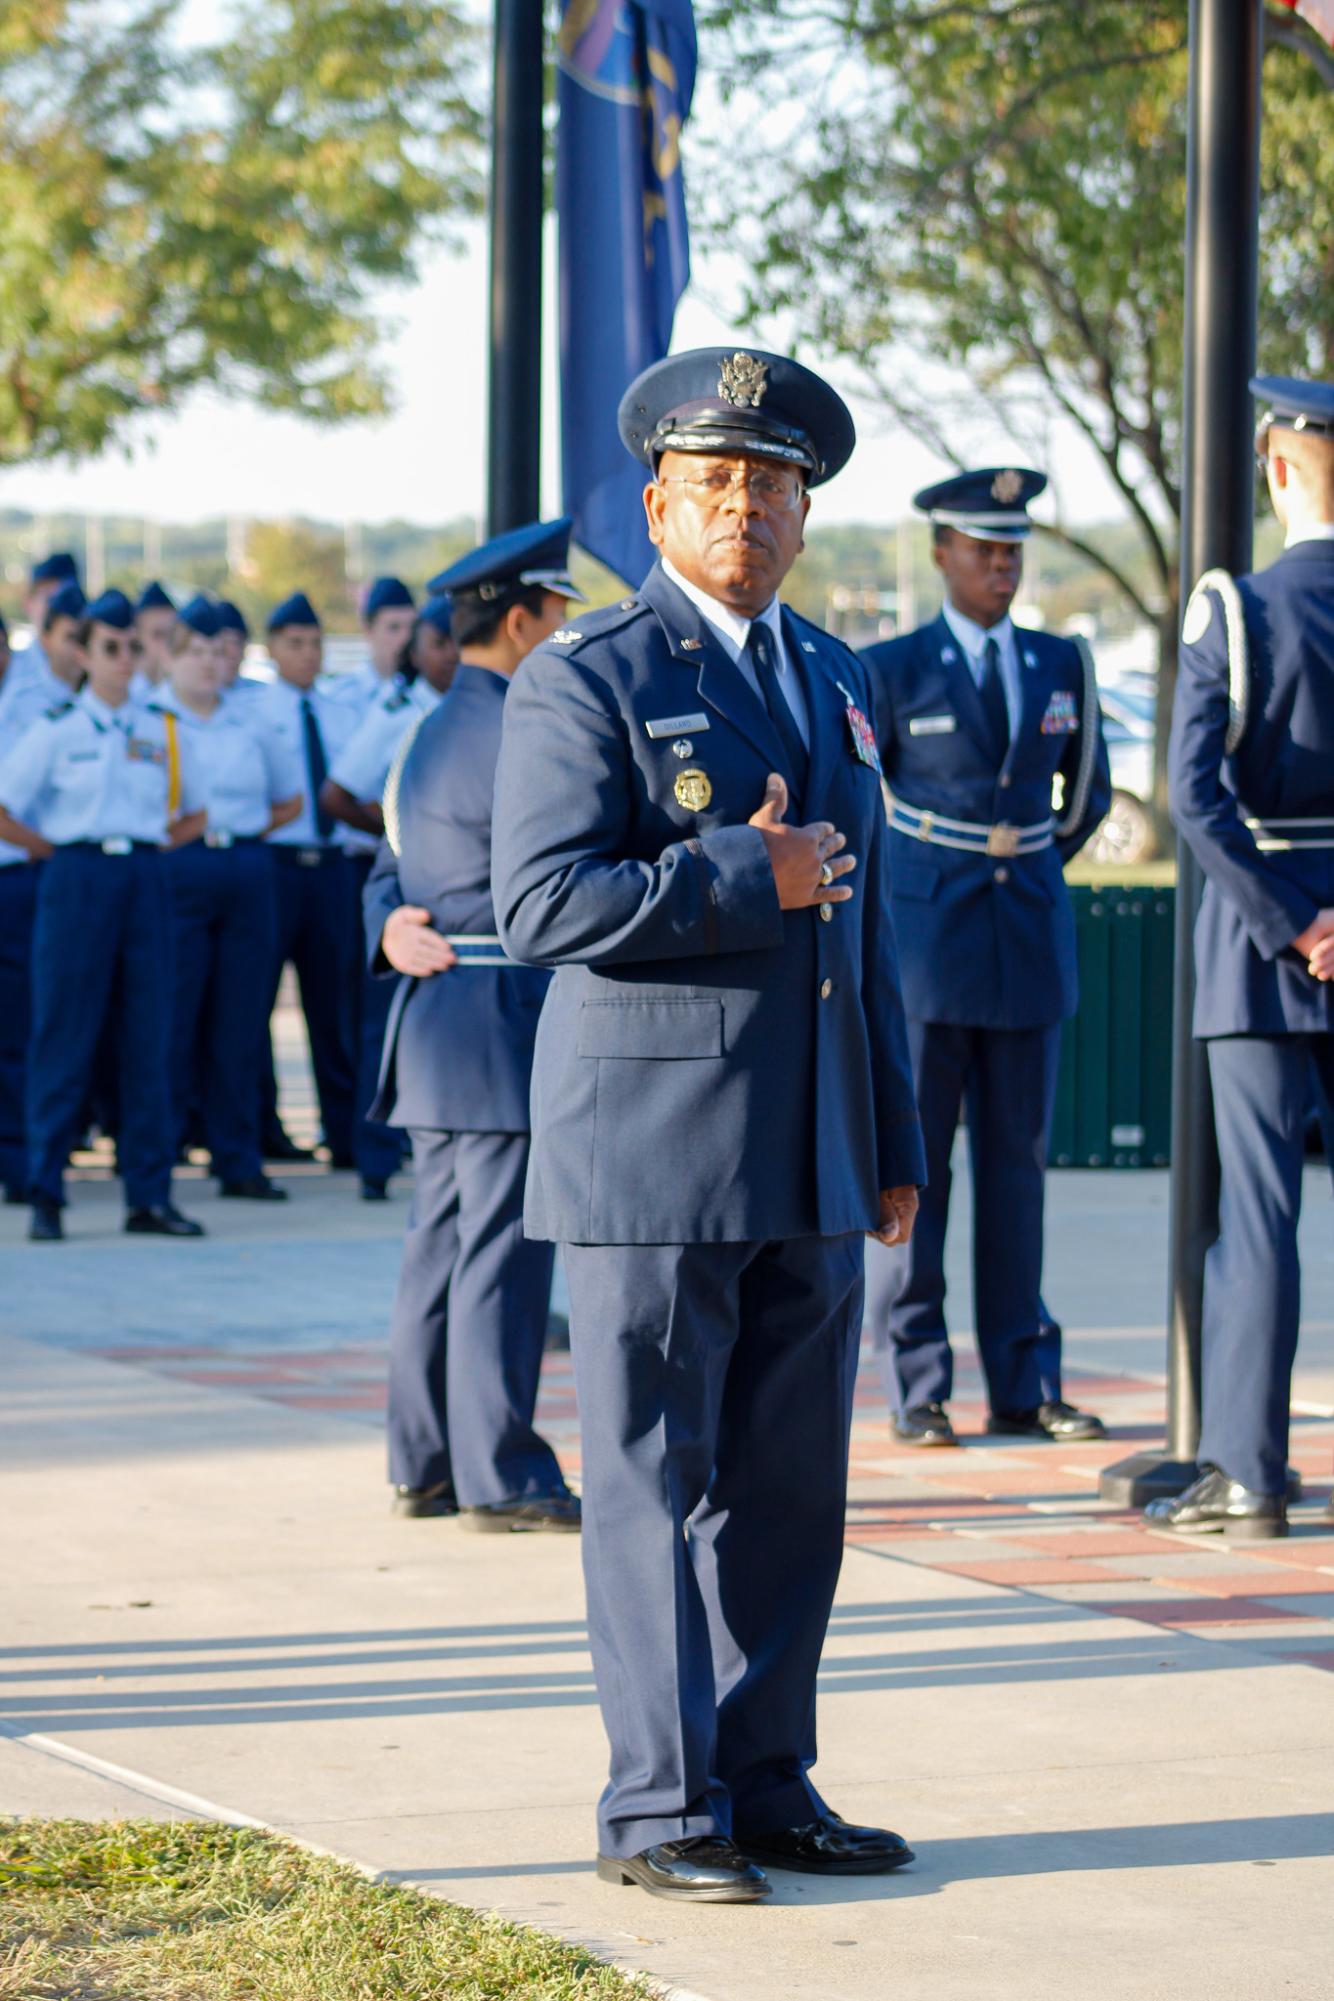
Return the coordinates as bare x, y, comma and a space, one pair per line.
175, 215
982, 204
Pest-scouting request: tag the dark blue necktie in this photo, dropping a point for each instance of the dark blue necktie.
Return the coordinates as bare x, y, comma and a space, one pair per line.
992, 690
317, 766
760, 646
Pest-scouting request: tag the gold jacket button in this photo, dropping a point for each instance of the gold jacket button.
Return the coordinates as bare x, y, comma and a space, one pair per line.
826, 912
826, 988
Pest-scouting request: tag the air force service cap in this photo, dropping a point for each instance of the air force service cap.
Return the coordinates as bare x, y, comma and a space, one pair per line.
387, 594
535, 557
717, 399
437, 612
1295, 405
153, 598
991, 505
294, 610
58, 568
201, 615
111, 608
230, 618
66, 601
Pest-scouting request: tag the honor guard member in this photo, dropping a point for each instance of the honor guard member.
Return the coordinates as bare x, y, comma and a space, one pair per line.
722, 1106
386, 619
470, 1313
352, 793
976, 720
48, 686
305, 727
224, 907
1252, 789
45, 579
154, 625
86, 791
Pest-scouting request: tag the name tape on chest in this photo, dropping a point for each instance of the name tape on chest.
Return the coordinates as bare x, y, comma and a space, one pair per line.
663, 726
932, 725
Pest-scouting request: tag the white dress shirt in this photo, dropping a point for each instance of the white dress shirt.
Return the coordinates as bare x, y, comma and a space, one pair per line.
96, 774
362, 765
973, 638
237, 768
732, 629
1319, 531
275, 714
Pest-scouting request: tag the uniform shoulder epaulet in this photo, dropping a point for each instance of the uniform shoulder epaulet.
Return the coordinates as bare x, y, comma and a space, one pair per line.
397, 698
1077, 798
1195, 622
596, 625
56, 711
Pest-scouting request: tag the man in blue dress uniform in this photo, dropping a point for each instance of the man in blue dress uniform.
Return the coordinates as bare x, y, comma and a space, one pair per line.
976, 720
470, 1313
722, 1107
1252, 777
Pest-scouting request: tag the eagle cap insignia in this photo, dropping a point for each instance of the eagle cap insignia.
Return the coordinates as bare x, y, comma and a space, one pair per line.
1007, 487
742, 381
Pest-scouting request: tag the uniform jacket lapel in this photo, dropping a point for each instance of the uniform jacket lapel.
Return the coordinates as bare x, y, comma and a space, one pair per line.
720, 681
824, 709
1034, 688
964, 696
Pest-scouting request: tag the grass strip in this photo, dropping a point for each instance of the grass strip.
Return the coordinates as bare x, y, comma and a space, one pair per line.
185, 1911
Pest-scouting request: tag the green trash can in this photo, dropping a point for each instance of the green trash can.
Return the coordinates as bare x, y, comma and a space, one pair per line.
1114, 1091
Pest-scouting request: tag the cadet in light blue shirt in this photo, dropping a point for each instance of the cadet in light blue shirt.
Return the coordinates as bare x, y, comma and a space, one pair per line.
47, 577
88, 791
386, 618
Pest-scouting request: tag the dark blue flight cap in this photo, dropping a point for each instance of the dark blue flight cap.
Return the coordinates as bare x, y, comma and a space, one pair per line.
537, 555
59, 568
201, 615
1295, 405
296, 610
991, 505
153, 598
388, 594
68, 601
717, 399
230, 618
436, 612
111, 608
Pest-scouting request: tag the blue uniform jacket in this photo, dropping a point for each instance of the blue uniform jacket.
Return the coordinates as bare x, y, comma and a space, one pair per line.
1249, 980
709, 1068
458, 1050
984, 942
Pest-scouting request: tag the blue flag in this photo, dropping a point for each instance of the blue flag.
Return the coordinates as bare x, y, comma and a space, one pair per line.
627, 72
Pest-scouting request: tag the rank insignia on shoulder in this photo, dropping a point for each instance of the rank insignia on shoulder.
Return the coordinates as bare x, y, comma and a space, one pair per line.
1062, 714
566, 636
57, 710
691, 645
693, 789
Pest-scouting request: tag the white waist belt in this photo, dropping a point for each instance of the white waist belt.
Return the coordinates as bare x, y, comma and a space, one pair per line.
476, 949
970, 835
1278, 836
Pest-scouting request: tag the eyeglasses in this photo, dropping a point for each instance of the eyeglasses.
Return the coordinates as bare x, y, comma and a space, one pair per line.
777, 492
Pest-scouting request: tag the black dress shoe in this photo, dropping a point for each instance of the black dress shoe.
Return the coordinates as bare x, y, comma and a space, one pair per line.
1060, 1422
341, 1160
924, 1424
16, 1195
166, 1221
705, 1870
252, 1188
556, 1513
374, 1191
1214, 1505
420, 1502
829, 1847
46, 1226
277, 1146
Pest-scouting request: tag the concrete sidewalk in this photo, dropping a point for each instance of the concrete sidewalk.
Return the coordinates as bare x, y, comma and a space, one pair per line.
1113, 1751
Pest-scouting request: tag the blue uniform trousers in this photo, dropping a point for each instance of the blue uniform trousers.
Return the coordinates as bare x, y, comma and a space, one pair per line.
316, 933
101, 958
224, 910
1252, 1277
18, 906
715, 1388
1004, 1080
469, 1325
376, 1150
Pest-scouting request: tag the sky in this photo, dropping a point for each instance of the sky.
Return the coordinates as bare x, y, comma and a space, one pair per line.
426, 462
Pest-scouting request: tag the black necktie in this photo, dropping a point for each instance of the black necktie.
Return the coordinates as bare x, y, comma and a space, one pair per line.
760, 646
992, 691
317, 766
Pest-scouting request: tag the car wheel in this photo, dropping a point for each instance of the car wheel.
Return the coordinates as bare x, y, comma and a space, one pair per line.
1125, 836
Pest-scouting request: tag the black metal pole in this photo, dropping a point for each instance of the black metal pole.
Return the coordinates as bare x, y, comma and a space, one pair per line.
1222, 255
514, 427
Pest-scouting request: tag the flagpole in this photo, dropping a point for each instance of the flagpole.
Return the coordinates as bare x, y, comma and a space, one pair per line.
514, 416
1222, 258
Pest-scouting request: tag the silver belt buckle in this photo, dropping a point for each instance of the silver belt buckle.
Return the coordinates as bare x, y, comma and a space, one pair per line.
309, 857
1003, 839
118, 845
220, 839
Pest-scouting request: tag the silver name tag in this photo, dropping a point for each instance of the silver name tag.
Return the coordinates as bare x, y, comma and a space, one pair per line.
931, 725
675, 725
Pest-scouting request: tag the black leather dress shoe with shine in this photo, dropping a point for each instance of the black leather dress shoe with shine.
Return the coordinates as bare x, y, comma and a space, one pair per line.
166, 1221
553, 1513
1060, 1422
420, 1502
924, 1424
252, 1188
374, 1191
703, 1870
828, 1847
1215, 1505
46, 1226
277, 1146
